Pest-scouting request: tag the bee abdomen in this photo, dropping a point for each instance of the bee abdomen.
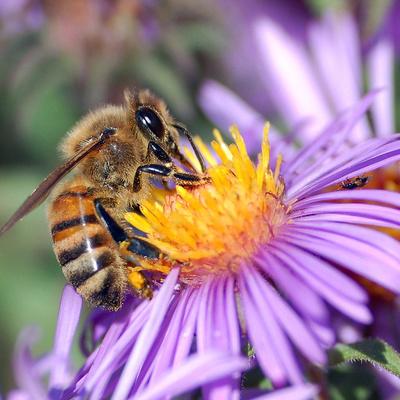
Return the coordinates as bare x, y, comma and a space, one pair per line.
85, 249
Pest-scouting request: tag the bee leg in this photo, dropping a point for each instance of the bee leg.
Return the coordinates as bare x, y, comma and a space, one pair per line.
159, 152
163, 156
158, 170
142, 248
139, 283
183, 131
135, 244
117, 233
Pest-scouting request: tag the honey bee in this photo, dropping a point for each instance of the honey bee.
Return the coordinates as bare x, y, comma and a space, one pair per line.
116, 151
354, 183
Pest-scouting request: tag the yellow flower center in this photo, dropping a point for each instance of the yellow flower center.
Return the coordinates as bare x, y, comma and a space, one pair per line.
214, 228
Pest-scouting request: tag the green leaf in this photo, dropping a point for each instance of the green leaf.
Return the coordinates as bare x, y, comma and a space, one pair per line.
352, 382
374, 351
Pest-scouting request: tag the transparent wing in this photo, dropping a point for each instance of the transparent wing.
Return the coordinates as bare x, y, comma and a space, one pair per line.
42, 191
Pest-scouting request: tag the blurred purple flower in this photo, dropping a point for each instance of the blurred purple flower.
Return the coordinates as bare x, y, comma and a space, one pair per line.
17, 16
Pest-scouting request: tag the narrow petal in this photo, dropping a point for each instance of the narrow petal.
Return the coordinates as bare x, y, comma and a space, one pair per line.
109, 340
379, 196
334, 295
196, 371
305, 300
376, 244
225, 108
166, 352
68, 319
188, 329
255, 307
385, 155
380, 64
327, 274
335, 47
146, 337
334, 134
221, 337
290, 321
260, 339
113, 354
349, 257
366, 214
24, 366
289, 77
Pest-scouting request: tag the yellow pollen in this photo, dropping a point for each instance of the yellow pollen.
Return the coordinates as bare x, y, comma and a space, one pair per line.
213, 228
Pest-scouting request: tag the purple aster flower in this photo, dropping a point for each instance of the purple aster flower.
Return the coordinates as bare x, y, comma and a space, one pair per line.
259, 255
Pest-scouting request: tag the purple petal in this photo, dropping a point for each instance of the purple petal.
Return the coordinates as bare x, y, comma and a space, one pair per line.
323, 331
380, 196
380, 63
350, 258
335, 48
223, 334
289, 321
68, 320
196, 371
378, 157
373, 214
225, 108
328, 275
331, 293
305, 300
266, 333
113, 334
185, 339
260, 339
113, 353
289, 76
365, 240
146, 337
26, 376
232, 317
166, 352
204, 322
331, 138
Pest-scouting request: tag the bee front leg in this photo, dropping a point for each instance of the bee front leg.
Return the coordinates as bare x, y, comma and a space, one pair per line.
183, 131
158, 170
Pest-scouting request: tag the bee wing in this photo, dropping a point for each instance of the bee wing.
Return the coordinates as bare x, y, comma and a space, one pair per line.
43, 190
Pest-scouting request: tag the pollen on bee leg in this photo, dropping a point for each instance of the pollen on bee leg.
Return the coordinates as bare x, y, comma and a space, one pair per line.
139, 283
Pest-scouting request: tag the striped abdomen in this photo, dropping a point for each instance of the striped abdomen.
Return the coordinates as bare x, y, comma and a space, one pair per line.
85, 249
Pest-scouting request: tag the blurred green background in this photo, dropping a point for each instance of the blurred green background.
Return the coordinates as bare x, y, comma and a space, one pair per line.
58, 60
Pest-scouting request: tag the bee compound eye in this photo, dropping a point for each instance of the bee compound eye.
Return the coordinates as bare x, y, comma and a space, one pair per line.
148, 121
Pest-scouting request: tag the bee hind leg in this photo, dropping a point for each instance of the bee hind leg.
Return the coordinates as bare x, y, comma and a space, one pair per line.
130, 246
142, 248
134, 244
